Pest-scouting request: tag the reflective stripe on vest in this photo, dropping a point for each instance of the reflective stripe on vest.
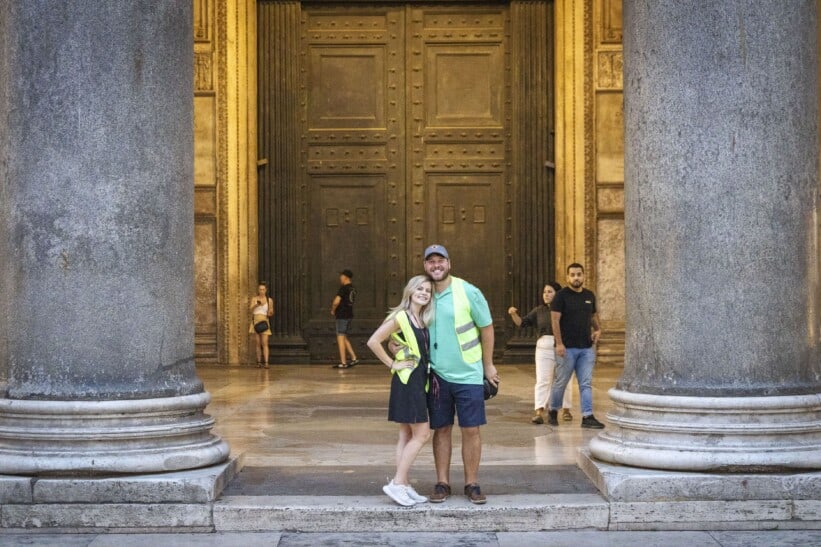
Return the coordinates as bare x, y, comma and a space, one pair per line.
467, 333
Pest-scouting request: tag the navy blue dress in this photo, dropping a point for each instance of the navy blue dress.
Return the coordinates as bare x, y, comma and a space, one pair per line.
408, 402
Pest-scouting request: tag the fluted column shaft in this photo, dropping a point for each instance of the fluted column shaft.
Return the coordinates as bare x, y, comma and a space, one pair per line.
721, 170
96, 234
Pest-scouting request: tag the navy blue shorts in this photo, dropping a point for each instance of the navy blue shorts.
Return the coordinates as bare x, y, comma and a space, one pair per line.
342, 325
445, 399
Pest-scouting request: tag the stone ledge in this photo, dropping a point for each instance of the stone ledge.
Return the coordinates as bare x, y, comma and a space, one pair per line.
632, 484
191, 486
377, 513
108, 516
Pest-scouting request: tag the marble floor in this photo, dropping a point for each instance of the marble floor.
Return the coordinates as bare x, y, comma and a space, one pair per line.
313, 415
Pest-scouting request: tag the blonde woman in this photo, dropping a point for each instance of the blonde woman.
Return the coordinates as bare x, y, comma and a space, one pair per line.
262, 309
407, 325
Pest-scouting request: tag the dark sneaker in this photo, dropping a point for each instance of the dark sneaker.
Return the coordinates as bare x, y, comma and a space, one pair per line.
590, 422
353, 363
474, 494
441, 492
552, 417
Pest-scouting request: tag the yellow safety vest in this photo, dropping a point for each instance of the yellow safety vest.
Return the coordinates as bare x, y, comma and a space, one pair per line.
467, 333
409, 349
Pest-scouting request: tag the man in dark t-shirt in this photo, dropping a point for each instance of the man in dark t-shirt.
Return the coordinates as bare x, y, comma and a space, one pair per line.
576, 328
342, 309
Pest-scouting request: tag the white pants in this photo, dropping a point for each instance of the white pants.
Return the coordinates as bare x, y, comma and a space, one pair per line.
545, 373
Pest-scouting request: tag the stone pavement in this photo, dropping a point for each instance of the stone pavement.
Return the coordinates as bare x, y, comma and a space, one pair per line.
426, 539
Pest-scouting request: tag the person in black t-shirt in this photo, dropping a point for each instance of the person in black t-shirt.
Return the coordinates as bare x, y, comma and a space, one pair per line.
342, 309
576, 328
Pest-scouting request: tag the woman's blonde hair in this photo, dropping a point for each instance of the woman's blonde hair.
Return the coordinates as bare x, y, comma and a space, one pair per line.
427, 310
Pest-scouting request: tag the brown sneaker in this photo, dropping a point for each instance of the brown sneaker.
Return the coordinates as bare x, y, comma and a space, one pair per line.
441, 492
538, 417
474, 494
566, 415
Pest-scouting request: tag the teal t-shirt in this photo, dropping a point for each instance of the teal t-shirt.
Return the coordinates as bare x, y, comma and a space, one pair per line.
446, 358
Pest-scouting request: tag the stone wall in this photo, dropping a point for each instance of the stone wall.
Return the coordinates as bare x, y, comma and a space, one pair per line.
609, 160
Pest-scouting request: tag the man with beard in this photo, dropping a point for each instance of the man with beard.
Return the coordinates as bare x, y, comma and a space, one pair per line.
576, 328
461, 356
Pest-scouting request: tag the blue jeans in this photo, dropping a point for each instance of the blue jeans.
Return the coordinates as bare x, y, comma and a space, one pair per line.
580, 360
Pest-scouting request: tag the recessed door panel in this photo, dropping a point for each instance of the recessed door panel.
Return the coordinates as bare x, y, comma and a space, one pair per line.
464, 87
349, 222
340, 95
464, 215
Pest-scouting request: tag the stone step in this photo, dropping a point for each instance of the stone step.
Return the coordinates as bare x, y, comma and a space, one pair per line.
348, 499
523, 513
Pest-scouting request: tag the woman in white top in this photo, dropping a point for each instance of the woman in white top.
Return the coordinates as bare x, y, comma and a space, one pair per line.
262, 308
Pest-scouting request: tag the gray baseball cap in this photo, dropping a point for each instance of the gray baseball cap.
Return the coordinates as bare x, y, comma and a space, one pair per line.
436, 249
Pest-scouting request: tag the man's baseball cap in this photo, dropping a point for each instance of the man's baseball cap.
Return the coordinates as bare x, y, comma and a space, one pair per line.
436, 249
347, 273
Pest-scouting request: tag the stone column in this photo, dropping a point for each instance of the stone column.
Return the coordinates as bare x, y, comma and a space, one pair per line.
96, 240
721, 177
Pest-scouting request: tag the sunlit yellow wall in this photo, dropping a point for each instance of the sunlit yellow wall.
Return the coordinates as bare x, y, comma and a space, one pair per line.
225, 176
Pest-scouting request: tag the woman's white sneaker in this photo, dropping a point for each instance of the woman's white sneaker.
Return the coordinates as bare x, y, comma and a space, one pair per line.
412, 494
398, 493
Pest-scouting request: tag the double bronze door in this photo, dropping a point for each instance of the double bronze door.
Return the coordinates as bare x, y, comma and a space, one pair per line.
404, 139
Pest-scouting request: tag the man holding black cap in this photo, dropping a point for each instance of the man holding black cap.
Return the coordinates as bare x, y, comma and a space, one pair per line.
342, 309
461, 356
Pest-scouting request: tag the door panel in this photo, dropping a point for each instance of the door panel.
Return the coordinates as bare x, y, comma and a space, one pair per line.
464, 86
354, 161
465, 217
337, 97
349, 215
460, 144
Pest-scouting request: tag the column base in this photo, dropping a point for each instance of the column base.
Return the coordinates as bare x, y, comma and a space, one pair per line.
728, 434
631, 484
647, 499
162, 502
97, 437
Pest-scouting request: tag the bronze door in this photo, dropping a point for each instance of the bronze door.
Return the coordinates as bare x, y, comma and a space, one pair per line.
404, 144
386, 127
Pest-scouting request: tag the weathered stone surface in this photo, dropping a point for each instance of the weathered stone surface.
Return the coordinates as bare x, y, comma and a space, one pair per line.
107, 516
15, 489
725, 434
633, 484
699, 512
721, 197
98, 140
808, 510
192, 486
349, 514
610, 270
96, 235
721, 160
